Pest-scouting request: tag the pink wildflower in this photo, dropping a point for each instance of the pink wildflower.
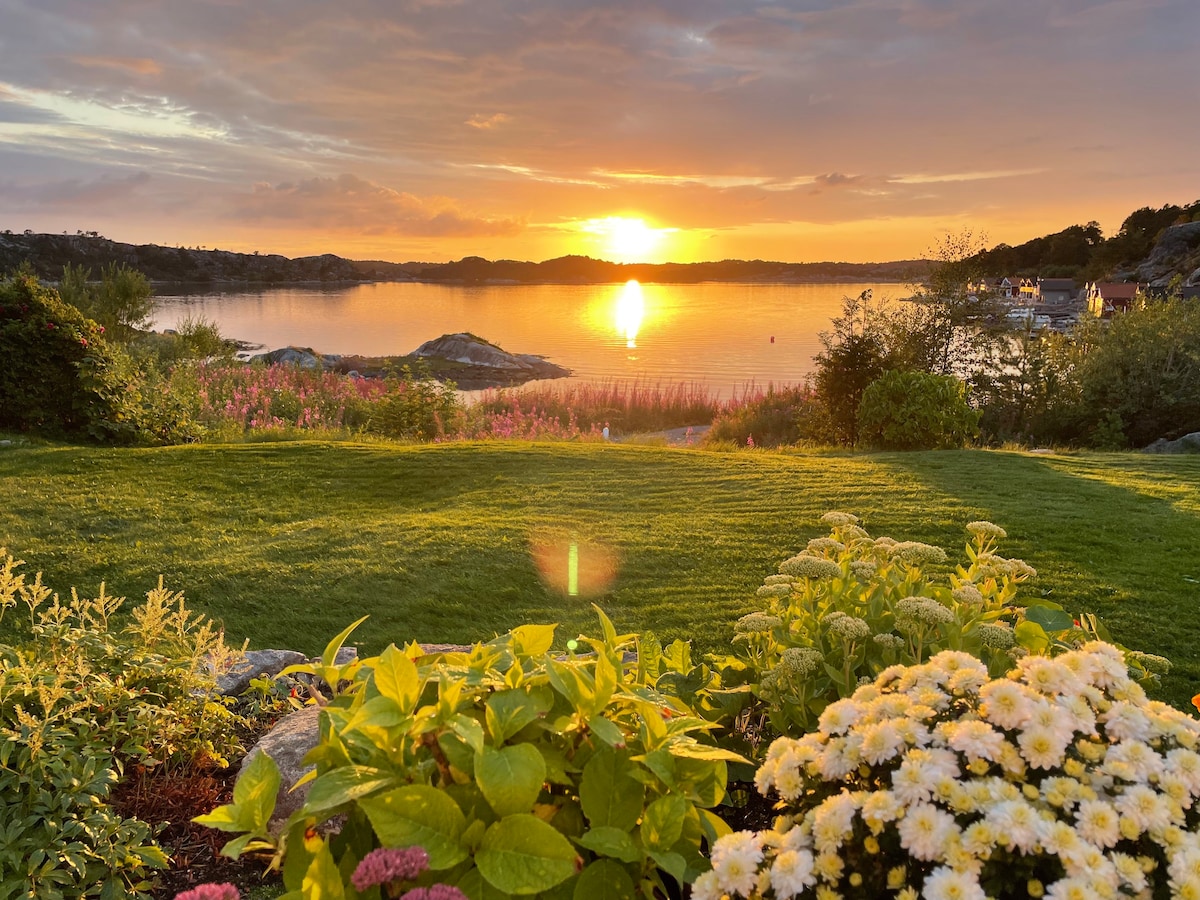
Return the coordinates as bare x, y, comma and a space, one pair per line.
389, 864
224, 891
435, 892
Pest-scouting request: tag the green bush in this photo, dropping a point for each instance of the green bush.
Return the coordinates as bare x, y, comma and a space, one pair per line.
849, 606
80, 699
519, 770
121, 301
781, 417
416, 407
916, 411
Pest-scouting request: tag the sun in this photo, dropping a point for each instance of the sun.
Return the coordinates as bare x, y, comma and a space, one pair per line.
625, 239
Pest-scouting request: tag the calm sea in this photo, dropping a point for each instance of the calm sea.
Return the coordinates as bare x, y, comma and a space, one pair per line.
723, 336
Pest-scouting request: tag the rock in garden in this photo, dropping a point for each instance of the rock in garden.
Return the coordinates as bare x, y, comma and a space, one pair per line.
1189, 443
288, 743
255, 664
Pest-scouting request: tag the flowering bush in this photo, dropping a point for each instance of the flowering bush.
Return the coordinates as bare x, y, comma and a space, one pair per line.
1061, 780
849, 606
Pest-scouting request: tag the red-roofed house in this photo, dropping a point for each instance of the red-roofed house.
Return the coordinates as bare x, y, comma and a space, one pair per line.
1104, 298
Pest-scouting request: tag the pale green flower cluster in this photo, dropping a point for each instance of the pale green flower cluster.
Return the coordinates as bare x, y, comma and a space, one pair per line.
917, 554
986, 530
1061, 780
756, 623
913, 611
849, 627
821, 545
805, 565
835, 519
998, 636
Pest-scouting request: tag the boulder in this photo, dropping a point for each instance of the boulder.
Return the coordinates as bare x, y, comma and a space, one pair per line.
304, 357
255, 664
288, 743
475, 351
1189, 443
1175, 250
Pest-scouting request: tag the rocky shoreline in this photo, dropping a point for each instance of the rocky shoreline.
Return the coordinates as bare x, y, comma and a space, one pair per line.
468, 360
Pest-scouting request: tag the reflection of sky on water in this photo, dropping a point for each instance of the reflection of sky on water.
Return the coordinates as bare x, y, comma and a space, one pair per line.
718, 335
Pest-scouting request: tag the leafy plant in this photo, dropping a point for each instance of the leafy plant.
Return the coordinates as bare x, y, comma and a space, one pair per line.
850, 606
81, 698
416, 407
517, 769
916, 411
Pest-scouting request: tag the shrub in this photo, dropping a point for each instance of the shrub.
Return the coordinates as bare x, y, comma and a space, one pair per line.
79, 700
416, 407
121, 301
780, 417
916, 411
849, 606
517, 769
1060, 780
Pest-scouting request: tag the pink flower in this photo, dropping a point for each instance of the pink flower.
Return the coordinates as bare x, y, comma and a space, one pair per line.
435, 892
389, 864
224, 891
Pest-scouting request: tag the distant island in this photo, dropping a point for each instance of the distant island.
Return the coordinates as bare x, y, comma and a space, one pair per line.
48, 253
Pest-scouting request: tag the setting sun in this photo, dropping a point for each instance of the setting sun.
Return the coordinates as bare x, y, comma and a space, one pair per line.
623, 239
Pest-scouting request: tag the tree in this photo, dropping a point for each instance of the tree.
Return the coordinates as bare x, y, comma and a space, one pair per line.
121, 302
855, 354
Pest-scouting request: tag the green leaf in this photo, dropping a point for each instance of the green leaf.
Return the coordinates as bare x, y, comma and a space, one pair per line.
663, 822
687, 748
510, 777
605, 682
671, 863
570, 681
473, 885
323, 881
344, 785
604, 879
397, 679
661, 763
608, 793
609, 841
510, 711
419, 814
533, 640
521, 854
1031, 636
254, 796
329, 657
1051, 620
607, 731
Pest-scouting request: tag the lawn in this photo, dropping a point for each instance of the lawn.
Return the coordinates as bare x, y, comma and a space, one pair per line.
287, 543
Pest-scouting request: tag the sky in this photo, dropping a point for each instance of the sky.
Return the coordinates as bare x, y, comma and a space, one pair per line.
632, 130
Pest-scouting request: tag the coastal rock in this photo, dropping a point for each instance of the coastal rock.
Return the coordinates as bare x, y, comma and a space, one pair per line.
1177, 248
476, 352
1189, 443
256, 664
304, 357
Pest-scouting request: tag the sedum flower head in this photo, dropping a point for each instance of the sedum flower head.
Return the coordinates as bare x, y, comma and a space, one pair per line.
917, 554
996, 636
849, 627
836, 519
863, 569
922, 610
1155, 665
388, 864
968, 595
800, 662
805, 565
223, 891
756, 623
986, 530
778, 591
889, 641
824, 545
778, 579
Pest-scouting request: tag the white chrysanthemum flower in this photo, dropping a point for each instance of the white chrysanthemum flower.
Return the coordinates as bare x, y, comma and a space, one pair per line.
925, 829
735, 859
1041, 747
879, 808
1050, 715
973, 738
1125, 721
1143, 806
839, 716
1071, 888
1132, 761
1017, 823
944, 883
791, 873
805, 565
1129, 871
1048, 676
707, 887
1006, 703
840, 758
1060, 839
833, 821
1185, 765
881, 741
1107, 664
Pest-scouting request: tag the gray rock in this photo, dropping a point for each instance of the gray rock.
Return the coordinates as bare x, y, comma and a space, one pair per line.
475, 351
1189, 443
253, 664
288, 743
304, 357
1175, 248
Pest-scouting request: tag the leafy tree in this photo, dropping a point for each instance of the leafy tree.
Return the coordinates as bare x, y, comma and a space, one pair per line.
856, 353
121, 302
916, 411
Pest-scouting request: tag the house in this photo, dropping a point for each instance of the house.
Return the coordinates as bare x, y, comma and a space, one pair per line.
1104, 298
1004, 287
1059, 292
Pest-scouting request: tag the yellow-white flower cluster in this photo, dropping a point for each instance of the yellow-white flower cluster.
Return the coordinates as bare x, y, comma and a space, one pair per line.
936, 781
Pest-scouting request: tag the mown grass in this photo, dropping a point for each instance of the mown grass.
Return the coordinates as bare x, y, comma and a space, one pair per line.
287, 543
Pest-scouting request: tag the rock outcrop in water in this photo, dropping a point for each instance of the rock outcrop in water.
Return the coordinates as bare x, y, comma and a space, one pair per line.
485, 360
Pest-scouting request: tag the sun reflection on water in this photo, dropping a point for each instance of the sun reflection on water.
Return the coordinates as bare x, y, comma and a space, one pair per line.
631, 306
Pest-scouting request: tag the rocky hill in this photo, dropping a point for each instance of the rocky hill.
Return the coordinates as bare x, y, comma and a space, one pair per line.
1176, 253
48, 253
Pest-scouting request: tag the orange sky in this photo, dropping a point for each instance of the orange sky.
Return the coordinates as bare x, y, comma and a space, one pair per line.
659, 130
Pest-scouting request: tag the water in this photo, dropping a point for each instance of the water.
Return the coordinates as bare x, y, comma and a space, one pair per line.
723, 336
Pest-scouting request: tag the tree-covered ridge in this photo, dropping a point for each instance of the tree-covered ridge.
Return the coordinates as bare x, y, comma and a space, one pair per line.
1082, 251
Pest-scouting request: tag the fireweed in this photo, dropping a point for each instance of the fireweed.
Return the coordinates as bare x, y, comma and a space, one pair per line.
1060, 780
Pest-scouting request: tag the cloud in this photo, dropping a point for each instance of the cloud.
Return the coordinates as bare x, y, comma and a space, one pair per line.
351, 204
73, 193
479, 120
128, 64
837, 179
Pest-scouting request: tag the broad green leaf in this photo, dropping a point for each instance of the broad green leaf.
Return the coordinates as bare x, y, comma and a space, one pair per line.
678, 656
510, 777
419, 814
223, 818
329, 657
1050, 619
605, 683
1031, 636
378, 712
558, 767
469, 730
510, 711
702, 780
254, 793
521, 854
604, 879
663, 822
607, 731
533, 640
608, 793
713, 825
323, 881
671, 863
396, 678
661, 763
686, 748
473, 885
609, 841
572, 682
343, 785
